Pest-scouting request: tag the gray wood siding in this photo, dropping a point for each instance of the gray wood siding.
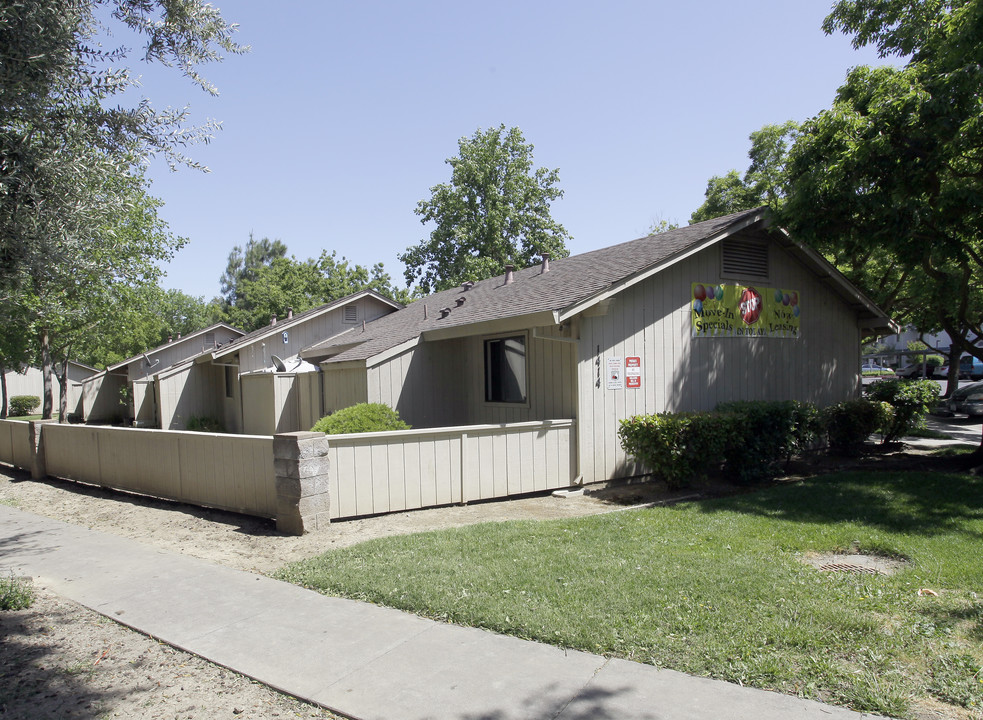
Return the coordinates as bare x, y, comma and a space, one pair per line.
679, 373
258, 404
343, 387
425, 384
196, 390
101, 397
256, 355
390, 472
231, 472
443, 383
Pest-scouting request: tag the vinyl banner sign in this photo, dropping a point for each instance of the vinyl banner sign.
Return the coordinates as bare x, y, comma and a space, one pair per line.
744, 311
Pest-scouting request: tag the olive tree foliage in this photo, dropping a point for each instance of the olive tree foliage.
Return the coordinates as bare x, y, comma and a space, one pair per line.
762, 183
495, 211
72, 195
890, 178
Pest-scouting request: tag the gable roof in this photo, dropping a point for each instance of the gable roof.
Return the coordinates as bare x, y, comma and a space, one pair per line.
285, 324
571, 286
180, 341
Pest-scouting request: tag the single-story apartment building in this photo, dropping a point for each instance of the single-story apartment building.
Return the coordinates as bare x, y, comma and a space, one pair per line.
30, 381
728, 309
120, 391
257, 384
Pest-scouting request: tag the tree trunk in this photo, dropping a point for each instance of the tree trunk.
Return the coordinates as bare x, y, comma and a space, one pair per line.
63, 387
3, 392
46, 369
952, 380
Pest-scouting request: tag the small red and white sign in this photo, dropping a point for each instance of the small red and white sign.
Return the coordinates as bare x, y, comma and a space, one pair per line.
633, 372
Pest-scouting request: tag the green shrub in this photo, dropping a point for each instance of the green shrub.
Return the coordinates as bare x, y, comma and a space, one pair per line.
15, 593
676, 447
361, 418
765, 434
204, 424
21, 405
751, 439
848, 424
911, 400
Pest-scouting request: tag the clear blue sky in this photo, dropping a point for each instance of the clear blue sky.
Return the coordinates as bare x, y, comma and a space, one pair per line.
341, 117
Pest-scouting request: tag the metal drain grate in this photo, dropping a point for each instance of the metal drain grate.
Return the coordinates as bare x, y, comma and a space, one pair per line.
847, 567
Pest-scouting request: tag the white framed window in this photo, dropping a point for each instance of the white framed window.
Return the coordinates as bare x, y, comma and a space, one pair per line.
506, 370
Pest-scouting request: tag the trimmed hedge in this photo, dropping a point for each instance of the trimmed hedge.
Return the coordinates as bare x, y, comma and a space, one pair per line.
766, 434
750, 439
676, 447
21, 405
364, 417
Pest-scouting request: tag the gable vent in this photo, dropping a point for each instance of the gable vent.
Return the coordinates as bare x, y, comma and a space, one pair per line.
740, 258
351, 313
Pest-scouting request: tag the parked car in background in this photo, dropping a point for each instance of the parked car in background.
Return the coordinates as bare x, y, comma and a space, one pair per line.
967, 400
970, 367
914, 371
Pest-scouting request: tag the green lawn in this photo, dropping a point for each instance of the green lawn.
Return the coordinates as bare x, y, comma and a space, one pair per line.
717, 588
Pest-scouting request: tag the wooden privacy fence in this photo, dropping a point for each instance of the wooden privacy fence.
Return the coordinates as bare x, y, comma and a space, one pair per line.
229, 472
388, 472
303, 479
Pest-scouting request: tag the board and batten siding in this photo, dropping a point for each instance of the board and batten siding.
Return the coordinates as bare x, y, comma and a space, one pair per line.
651, 320
15, 443
230, 472
390, 472
343, 386
193, 390
442, 383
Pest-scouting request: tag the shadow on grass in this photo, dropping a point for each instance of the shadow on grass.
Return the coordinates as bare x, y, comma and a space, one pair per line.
922, 503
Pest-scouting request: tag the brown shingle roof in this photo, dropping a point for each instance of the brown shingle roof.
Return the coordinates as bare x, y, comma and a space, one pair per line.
298, 318
569, 281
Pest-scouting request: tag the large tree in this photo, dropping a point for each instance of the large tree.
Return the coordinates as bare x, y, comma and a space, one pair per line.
762, 183
70, 161
494, 211
267, 282
890, 178
245, 263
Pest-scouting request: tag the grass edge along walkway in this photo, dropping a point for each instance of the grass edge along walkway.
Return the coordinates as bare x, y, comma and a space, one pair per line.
718, 587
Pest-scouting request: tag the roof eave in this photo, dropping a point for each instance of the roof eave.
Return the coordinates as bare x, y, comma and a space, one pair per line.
626, 282
826, 271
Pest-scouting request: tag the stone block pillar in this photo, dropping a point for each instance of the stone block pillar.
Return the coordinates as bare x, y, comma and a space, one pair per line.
300, 460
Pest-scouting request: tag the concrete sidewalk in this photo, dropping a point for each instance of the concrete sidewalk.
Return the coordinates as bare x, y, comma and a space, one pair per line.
358, 659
